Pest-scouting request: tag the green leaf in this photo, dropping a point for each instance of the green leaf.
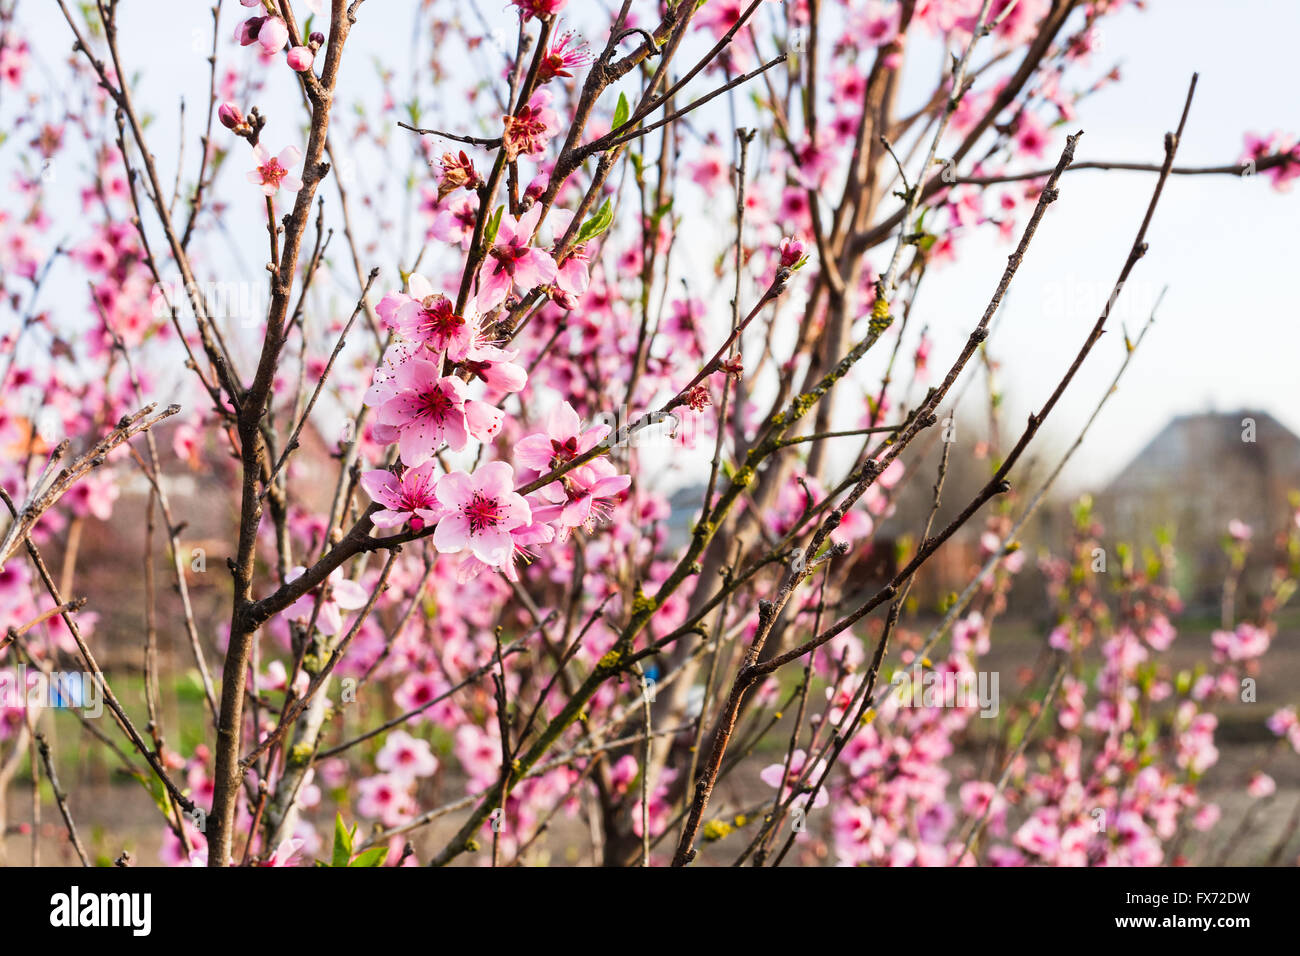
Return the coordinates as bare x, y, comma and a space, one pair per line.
622, 111
342, 843
375, 856
494, 224
597, 224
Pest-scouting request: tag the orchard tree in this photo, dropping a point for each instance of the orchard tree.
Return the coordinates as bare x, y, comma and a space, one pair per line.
685, 238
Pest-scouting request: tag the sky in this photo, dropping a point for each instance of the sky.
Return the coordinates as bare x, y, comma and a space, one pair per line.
1226, 336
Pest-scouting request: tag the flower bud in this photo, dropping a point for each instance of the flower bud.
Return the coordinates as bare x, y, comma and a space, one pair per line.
300, 58
791, 252
273, 35
230, 115
246, 32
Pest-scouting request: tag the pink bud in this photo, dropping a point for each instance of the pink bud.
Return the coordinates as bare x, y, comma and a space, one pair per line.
300, 58
791, 252
273, 35
246, 32
230, 115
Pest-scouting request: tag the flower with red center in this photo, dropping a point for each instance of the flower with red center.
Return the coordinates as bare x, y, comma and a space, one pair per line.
573, 275
482, 509
698, 398
433, 322
386, 798
562, 59
408, 498
272, 172
579, 498
406, 757
563, 440
513, 265
427, 410
531, 128
1031, 135
13, 61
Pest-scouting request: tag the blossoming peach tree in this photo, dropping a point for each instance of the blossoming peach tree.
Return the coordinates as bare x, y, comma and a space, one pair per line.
462, 616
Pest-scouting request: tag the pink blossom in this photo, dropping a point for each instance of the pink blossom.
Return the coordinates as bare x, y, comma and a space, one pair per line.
578, 498
774, 774
385, 798
430, 319
272, 172
876, 24
1281, 721
13, 61
513, 266
1031, 135
495, 366
1261, 785
482, 508
408, 498
284, 854
563, 58
1206, 817
539, 8
479, 753
427, 409
268, 32
711, 170
563, 439
341, 595
1242, 644
792, 253
406, 757
454, 220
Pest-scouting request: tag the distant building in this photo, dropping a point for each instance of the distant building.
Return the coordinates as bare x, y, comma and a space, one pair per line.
1200, 472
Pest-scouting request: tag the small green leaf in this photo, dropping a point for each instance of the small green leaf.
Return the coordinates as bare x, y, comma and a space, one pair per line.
375, 856
342, 843
597, 224
622, 111
494, 224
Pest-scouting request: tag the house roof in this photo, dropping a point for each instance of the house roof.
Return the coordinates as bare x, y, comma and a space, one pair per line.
1206, 440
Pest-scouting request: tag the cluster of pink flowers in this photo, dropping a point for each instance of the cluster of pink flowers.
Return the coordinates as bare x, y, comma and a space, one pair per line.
470, 408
